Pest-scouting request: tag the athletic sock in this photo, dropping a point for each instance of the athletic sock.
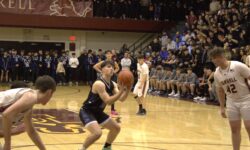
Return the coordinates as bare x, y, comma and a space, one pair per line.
107, 145
140, 107
113, 107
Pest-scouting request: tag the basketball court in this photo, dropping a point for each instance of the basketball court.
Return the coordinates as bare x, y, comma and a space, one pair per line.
170, 124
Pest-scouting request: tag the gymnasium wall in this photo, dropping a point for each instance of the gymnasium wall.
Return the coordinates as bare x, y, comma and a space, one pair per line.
84, 39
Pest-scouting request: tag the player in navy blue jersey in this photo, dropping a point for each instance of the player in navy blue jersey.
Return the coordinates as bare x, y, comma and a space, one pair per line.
104, 91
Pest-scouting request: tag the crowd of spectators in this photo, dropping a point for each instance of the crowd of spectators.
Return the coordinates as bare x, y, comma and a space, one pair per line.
225, 24
148, 9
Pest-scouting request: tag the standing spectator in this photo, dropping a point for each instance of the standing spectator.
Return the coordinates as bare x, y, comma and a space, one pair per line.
83, 66
21, 67
65, 60
73, 63
5, 67
164, 39
126, 61
60, 71
27, 67
34, 66
47, 64
15, 64
40, 63
91, 73
54, 62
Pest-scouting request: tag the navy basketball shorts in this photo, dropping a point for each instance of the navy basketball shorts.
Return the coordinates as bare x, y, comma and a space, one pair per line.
87, 117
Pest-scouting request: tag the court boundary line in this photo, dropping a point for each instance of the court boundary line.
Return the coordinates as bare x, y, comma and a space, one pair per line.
140, 146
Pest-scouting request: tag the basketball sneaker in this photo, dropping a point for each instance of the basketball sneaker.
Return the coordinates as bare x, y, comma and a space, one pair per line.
172, 93
114, 113
177, 95
197, 98
203, 99
106, 148
141, 112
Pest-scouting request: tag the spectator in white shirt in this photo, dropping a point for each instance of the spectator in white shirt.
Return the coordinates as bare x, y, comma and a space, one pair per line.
73, 63
126, 61
171, 45
164, 40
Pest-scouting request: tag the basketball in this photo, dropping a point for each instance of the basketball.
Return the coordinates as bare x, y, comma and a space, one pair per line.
126, 78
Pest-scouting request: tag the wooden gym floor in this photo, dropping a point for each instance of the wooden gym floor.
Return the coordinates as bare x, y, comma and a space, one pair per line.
170, 124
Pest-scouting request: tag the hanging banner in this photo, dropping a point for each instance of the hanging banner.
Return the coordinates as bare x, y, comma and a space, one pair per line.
67, 8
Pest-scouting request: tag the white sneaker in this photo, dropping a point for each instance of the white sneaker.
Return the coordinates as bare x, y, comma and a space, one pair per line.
203, 99
197, 98
177, 95
172, 93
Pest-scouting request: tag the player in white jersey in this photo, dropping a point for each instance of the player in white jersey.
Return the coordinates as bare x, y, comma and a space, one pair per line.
16, 106
141, 87
18, 128
231, 80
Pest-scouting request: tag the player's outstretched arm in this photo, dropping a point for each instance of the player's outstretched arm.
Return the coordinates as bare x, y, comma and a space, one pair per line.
32, 131
99, 88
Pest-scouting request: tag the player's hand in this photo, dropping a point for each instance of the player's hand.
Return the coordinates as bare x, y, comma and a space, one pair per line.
223, 112
122, 87
19, 129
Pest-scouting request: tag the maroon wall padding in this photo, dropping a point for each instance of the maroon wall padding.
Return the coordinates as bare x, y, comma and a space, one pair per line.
104, 24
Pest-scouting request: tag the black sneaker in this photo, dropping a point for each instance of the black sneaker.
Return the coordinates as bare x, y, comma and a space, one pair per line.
138, 112
141, 112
